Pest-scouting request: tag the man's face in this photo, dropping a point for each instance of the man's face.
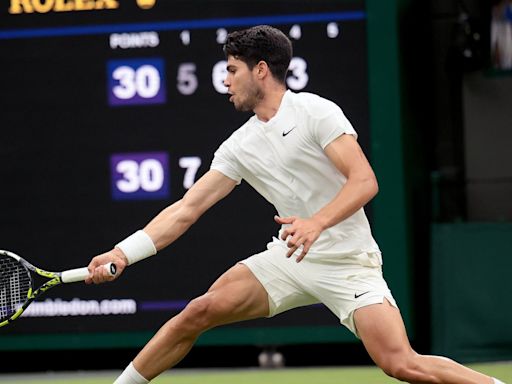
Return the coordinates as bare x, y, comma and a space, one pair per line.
242, 85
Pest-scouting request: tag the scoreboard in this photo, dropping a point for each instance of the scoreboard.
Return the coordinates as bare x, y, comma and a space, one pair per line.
110, 112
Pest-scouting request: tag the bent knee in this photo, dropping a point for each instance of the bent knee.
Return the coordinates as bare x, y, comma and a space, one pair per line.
406, 369
202, 313
197, 313
398, 370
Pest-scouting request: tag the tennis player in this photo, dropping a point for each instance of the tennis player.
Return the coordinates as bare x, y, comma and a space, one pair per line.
300, 153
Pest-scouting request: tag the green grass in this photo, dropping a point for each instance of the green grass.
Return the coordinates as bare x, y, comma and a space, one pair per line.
346, 375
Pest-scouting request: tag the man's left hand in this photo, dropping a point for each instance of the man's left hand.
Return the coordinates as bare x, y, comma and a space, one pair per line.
300, 232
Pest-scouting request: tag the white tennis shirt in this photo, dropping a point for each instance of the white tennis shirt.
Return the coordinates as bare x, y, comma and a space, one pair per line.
283, 159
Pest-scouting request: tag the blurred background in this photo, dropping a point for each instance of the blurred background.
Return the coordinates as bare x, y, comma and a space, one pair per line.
111, 109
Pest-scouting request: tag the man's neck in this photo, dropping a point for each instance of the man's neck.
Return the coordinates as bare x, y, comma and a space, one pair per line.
269, 105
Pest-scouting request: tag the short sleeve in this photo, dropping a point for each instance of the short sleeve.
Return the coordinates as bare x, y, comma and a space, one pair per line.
332, 125
226, 163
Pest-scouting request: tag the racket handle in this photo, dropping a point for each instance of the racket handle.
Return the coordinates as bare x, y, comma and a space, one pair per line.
80, 274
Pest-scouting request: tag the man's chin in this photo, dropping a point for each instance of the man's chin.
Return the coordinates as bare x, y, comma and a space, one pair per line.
243, 108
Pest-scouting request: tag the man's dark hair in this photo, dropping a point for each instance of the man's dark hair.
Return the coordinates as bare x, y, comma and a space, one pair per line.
258, 43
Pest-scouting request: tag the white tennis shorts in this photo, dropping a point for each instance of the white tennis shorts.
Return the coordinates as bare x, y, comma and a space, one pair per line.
343, 288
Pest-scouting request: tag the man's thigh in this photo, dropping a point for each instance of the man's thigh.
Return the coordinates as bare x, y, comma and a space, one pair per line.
236, 295
283, 279
382, 331
344, 288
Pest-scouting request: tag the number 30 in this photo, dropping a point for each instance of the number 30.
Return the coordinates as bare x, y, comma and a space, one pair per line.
143, 81
147, 175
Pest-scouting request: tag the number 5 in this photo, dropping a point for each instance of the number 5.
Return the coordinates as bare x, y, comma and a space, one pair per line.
187, 79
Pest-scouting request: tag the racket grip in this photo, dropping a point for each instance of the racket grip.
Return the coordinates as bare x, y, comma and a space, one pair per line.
80, 274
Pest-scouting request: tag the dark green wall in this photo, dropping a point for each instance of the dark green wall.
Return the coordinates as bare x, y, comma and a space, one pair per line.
471, 284
390, 222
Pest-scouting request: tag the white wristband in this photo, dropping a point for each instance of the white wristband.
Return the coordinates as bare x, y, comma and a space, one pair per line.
137, 247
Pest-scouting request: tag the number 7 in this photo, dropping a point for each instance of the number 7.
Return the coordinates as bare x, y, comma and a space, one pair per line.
191, 164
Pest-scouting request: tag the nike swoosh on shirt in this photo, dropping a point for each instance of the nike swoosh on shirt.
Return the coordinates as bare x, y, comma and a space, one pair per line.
356, 296
287, 132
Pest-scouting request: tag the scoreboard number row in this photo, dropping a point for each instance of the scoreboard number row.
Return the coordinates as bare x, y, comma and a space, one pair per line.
142, 81
146, 176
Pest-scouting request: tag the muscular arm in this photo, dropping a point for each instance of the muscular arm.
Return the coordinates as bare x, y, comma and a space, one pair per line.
361, 185
360, 188
171, 222
174, 220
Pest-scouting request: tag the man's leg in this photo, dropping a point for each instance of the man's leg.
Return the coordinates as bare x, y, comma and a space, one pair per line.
237, 295
382, 331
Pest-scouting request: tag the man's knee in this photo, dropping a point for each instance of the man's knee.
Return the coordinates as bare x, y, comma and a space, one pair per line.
196, 313
200, 314
397, 369
402, 368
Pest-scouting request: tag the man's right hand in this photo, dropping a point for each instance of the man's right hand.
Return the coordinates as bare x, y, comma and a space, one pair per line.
98, 274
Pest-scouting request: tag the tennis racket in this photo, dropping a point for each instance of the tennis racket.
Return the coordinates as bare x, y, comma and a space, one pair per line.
17, 283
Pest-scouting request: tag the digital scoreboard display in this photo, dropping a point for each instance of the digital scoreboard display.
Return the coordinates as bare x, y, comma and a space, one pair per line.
110, 110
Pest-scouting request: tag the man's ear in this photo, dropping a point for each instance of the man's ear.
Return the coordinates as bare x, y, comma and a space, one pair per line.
262, 69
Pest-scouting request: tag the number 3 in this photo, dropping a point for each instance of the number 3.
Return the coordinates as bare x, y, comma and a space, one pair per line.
299, 77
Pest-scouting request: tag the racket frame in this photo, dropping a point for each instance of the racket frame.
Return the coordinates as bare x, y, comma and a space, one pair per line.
55, 278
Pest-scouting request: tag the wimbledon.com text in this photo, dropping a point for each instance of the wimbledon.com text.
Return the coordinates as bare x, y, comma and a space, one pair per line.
78, 307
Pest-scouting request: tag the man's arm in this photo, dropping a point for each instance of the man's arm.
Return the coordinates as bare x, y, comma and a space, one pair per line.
174, 220
171, 222
360, 188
